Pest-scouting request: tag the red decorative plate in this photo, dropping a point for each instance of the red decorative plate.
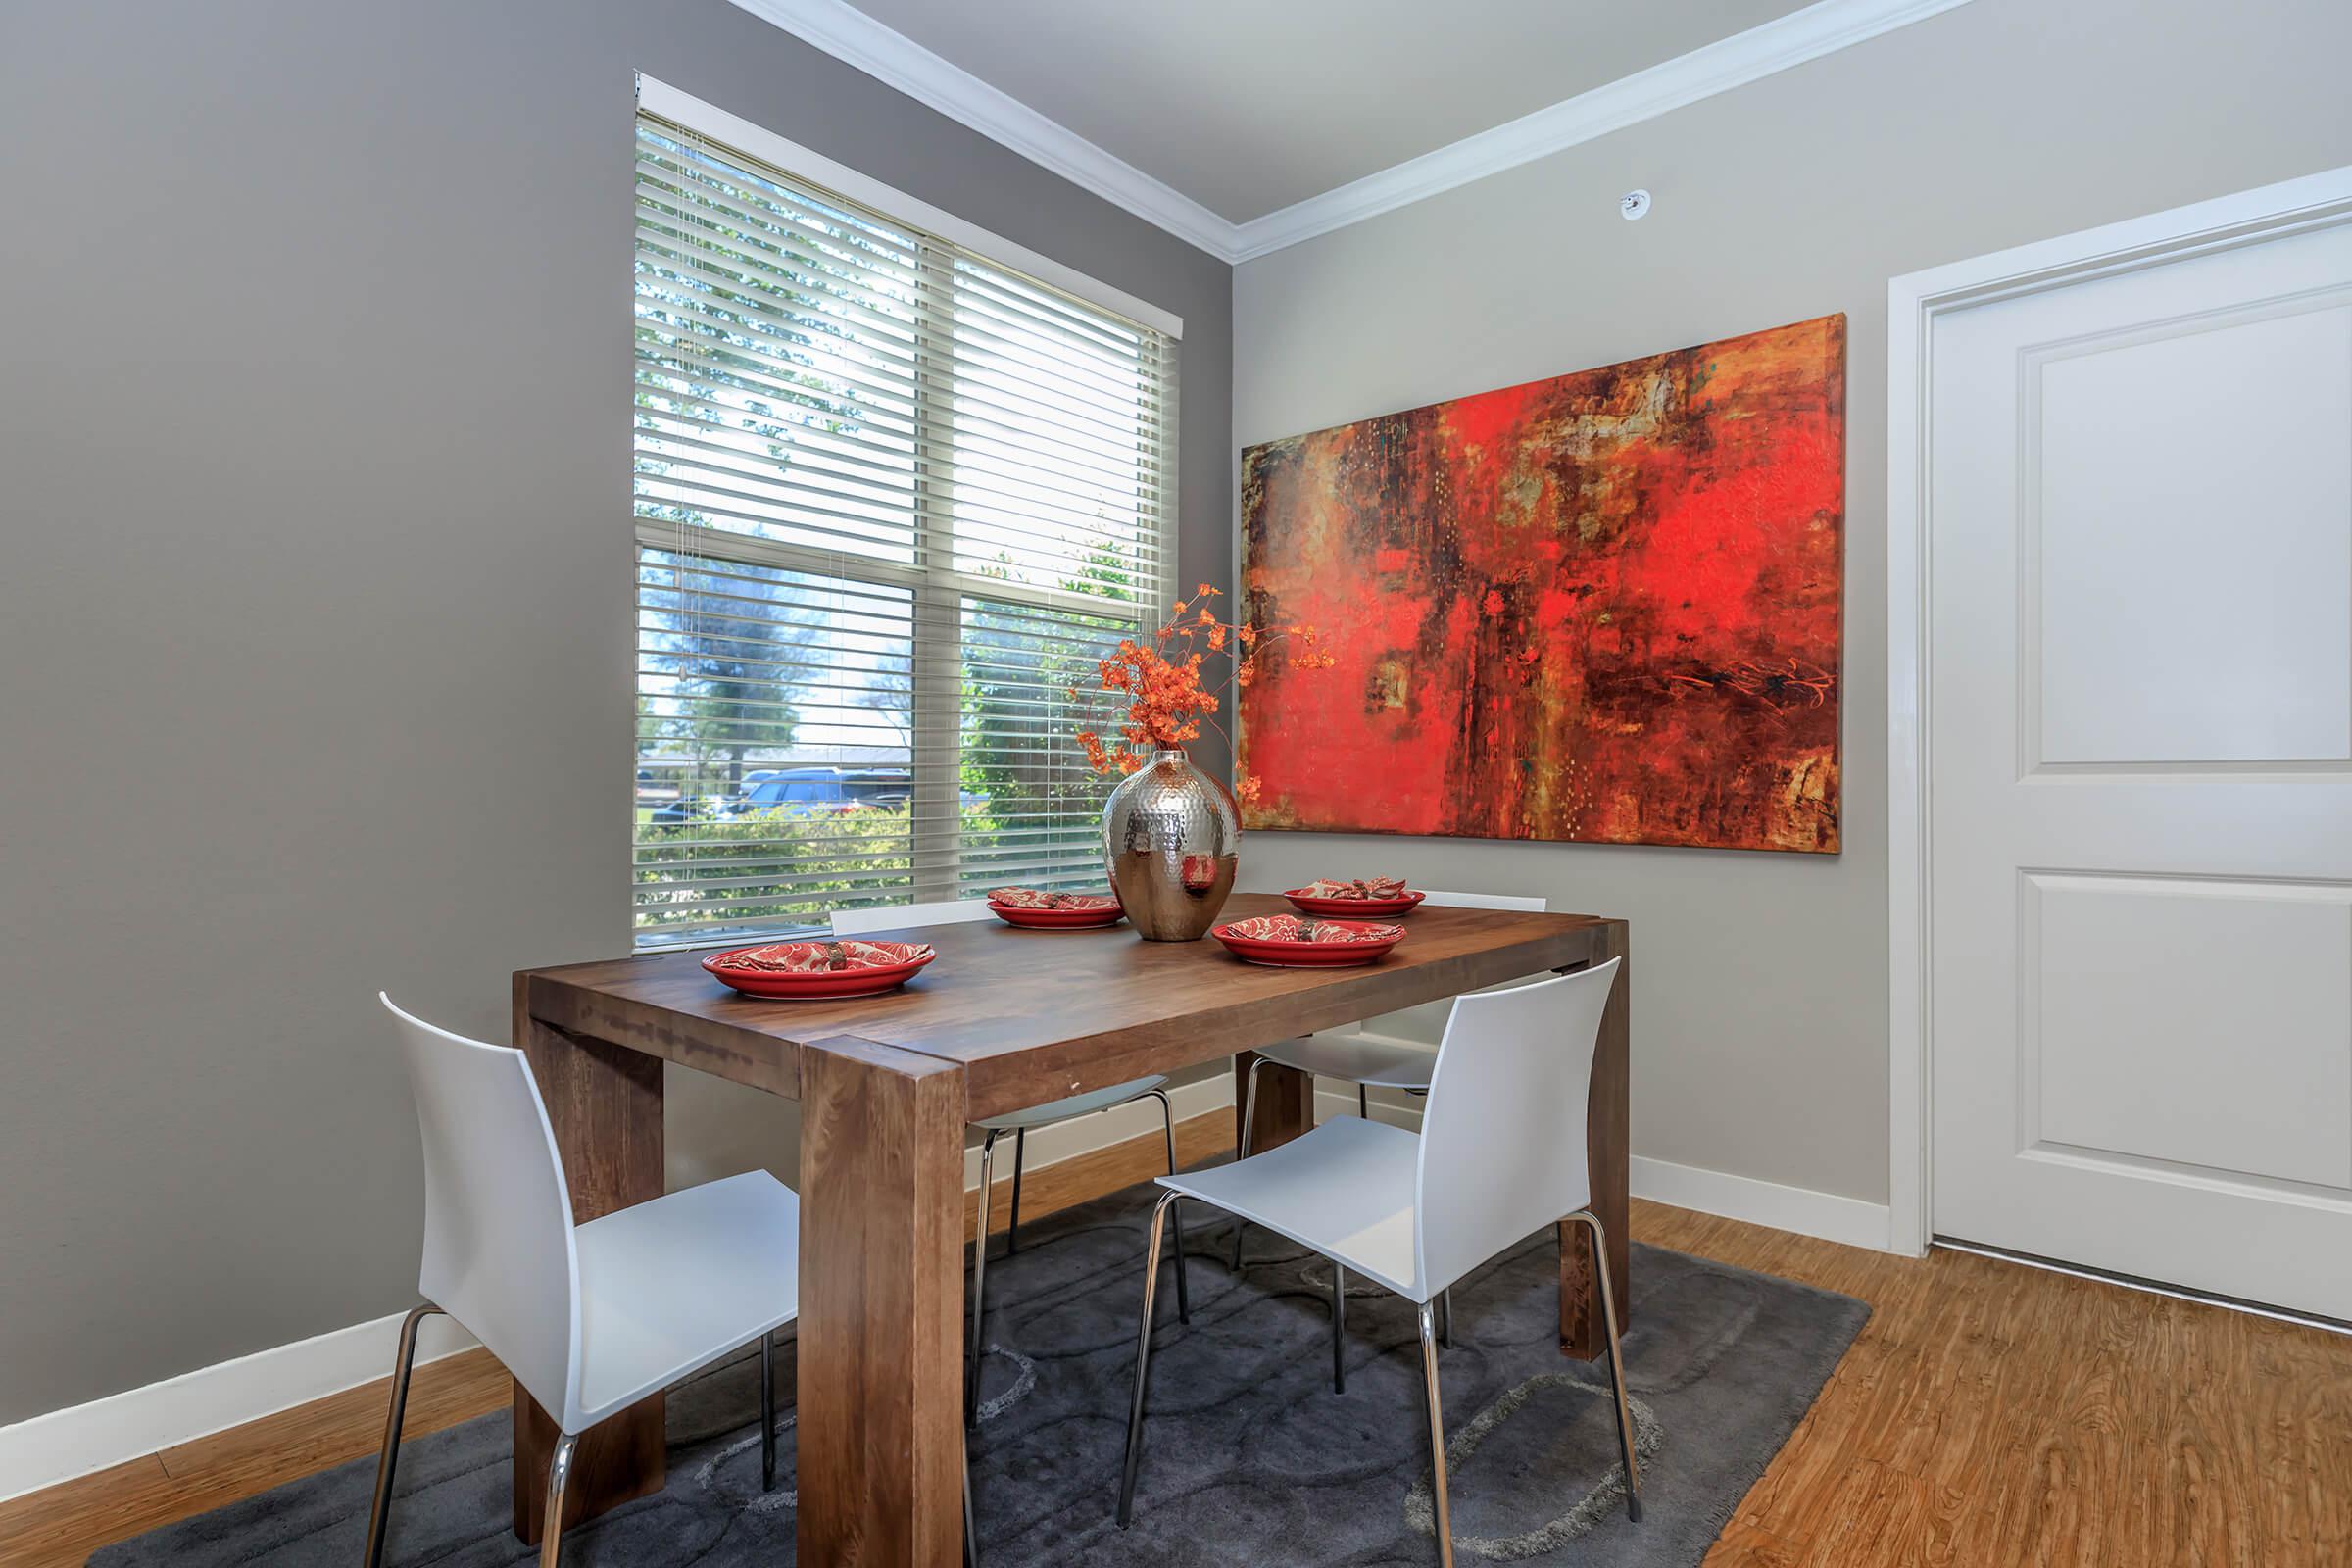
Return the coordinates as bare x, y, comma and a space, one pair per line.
802, 970
1350, 907
1289, 942
1060, 919
1055, 912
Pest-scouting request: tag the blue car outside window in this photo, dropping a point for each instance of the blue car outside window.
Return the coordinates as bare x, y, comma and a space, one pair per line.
810, 791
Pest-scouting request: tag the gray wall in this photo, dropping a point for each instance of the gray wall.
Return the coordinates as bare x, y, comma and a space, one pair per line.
1760, 980
315, 626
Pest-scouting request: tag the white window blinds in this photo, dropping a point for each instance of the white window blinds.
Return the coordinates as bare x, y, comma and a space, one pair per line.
893, 502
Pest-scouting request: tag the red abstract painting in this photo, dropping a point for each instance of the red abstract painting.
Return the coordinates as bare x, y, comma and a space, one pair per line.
1603, 608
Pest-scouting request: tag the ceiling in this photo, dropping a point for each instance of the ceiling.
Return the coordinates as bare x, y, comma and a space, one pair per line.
1248, 125
1249, 106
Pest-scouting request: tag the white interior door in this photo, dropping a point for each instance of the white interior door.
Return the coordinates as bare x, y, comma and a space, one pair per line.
2140, 772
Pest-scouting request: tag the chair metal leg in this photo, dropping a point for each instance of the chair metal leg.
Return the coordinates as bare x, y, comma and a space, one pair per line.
1363, 1102
1142, 1359
767, 1412
403, 1364
1608, 1316
1242, 1150
1339, 1329
1168, 1122
1445, 1300
971, 1359
1012, 1227
558, 1477
971, 1536
1437, 1435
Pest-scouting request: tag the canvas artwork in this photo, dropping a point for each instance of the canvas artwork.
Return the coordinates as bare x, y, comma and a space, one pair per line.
1602, 608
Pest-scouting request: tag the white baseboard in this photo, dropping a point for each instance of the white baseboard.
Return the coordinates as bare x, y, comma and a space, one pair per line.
46, 1450
74, 1442
1050, 1146
1800, 1209
1391, 1105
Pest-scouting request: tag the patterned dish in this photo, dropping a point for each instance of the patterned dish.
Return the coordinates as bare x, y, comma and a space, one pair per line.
1378, 895
1055, 912
1365, 887
1302, 942
820, 969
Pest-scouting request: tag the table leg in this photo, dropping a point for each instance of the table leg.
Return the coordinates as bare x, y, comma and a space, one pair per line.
604, 1104
881, 1382
1609, 1165
1286, 1104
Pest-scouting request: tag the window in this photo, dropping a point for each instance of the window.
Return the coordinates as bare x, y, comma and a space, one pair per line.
893, 501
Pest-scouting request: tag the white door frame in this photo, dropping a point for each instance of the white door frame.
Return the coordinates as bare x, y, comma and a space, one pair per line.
1913, 302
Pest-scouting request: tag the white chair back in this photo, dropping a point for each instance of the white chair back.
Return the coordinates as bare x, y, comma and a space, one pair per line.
1502, 1139
1425, 1022
499, 1255
1484, 901
903, 916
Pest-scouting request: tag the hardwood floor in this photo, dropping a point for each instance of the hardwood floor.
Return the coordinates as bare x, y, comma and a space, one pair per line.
1996, 1414
1989, 1415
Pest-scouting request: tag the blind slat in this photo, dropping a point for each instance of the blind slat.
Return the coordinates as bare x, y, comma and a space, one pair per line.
969, 494
800, 443
845, 430
749, 308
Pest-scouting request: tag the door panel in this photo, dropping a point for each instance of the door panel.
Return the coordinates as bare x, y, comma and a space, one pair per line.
2140, 775
2180, 1071
2169, 503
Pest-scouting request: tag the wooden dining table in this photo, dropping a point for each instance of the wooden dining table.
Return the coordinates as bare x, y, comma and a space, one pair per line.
1005, 1018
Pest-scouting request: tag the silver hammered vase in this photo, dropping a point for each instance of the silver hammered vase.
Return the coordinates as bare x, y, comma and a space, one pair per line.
1172, 841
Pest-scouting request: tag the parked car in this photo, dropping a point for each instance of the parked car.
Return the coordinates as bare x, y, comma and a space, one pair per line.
814, 791
803, 791
689, 809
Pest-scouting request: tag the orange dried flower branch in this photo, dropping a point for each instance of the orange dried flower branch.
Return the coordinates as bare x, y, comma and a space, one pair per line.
1167, 701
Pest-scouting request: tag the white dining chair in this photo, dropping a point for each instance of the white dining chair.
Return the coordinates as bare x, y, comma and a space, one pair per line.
589, 1318
1501, 1153
1368, 1064
907, 916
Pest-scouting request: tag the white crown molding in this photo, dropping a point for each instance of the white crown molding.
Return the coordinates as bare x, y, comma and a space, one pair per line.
889, 57
1818, 29
897, 61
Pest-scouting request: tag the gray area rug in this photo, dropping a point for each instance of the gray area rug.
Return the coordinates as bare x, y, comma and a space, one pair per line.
1249, 1456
